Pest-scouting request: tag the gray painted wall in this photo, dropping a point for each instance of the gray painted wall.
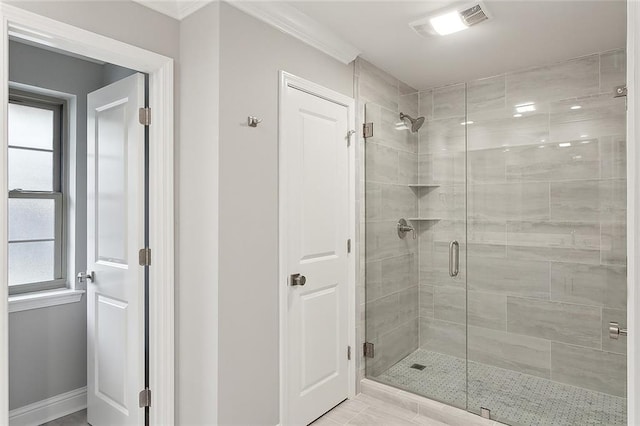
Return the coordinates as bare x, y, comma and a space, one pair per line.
47, 347
196, 219
112, 73
251, 54
47, 352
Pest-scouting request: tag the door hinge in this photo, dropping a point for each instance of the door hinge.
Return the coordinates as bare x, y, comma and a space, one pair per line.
144, 398
367, 130
144, 116
620, 91
369, 350
349, 245
144, 256
349, 353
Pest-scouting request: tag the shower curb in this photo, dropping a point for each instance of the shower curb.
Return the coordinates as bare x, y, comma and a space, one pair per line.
426, 407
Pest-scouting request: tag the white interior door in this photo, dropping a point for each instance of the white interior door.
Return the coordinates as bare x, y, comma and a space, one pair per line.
315, 163
115, 233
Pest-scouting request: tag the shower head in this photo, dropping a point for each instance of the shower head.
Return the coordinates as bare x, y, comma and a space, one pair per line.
416, 123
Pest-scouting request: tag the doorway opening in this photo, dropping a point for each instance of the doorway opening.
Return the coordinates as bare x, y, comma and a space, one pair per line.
83, 217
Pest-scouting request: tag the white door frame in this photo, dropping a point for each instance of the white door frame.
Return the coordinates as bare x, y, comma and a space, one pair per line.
633, 213
161, 205
290, 80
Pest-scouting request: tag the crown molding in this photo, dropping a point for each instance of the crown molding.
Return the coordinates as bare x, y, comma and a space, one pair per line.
187, 7
176, 9
280, 15
290, 20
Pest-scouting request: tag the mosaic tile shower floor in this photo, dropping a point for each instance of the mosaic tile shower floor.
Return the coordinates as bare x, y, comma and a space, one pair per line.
512, 397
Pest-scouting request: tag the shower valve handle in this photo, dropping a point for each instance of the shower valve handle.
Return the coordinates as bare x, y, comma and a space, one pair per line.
404, 227
407, 228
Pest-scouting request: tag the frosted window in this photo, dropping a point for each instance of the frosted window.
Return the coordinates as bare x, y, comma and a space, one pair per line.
30, 170
31, 219
30, 127
31, 262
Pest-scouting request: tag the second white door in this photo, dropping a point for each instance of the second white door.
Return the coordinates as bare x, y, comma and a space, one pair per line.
315, 163
115, 233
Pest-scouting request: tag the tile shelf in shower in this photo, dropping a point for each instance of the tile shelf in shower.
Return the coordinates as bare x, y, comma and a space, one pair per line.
423, 185
416, 219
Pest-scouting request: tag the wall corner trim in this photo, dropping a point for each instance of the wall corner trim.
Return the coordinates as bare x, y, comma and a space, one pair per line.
290, 20
186, 8
49, 409
177, 9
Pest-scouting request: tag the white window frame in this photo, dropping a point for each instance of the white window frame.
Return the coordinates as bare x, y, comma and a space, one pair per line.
58, 194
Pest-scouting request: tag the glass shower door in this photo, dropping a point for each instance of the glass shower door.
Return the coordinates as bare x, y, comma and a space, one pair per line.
547, 248
391, 276
415, 311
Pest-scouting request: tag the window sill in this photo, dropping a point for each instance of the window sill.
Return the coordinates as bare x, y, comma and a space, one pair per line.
43, 299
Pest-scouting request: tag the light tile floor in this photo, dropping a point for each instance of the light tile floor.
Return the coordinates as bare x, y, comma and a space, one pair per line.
79, 418
365, 410
513, 398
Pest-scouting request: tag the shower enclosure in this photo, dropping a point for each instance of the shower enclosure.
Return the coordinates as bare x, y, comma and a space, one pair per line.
498, 293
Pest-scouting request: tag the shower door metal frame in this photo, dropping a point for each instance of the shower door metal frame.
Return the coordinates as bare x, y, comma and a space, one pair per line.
633, 210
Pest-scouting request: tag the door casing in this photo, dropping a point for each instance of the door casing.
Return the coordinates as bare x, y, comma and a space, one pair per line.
290, 80
161, 200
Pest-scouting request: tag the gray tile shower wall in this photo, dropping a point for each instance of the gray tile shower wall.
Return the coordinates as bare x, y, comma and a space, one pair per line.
389, 308
545, 221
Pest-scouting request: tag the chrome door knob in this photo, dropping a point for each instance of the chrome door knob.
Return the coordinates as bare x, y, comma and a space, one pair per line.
84, 276
297, 279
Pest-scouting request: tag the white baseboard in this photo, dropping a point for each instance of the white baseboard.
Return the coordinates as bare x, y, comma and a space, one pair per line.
49, 409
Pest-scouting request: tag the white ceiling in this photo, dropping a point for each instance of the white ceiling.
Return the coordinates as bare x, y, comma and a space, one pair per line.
520, 34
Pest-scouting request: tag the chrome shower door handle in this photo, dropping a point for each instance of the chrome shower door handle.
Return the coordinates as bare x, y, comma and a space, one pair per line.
454, 258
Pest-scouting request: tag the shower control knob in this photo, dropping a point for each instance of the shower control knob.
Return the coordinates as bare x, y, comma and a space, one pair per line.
297, 279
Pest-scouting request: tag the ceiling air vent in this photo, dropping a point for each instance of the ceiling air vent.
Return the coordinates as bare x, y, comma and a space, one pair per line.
473, 15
